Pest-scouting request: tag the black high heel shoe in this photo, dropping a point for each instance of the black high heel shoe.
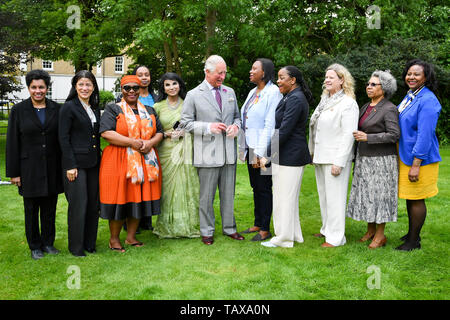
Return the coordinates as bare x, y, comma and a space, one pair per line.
409, 246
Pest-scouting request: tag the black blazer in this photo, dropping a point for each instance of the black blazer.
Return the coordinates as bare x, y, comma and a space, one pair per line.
291, 116
382, 130
32, 150
80, 142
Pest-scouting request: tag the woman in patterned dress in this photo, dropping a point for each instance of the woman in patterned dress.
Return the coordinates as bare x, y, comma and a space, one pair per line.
130, 174
373, 197
180, 190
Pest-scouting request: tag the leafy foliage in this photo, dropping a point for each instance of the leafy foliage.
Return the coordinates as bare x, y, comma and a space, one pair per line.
177, 35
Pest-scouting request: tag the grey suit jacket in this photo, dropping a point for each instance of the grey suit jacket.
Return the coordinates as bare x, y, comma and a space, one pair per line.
200, 109
382, 130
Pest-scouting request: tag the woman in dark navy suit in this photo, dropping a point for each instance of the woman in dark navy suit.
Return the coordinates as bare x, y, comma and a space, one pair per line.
33, 161
290, 153
80, 144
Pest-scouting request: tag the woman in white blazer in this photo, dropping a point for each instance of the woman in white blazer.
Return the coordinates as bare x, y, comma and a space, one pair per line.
331, 145
258, 122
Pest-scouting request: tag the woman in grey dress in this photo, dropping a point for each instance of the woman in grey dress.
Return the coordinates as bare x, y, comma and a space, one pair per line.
373, 197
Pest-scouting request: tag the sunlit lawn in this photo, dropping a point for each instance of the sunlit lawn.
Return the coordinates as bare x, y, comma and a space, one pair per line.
229, 269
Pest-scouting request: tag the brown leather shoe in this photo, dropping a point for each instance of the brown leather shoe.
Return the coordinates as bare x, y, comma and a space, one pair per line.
319, 235
208, 240
366, 237
327, 245
377, 244
235, 236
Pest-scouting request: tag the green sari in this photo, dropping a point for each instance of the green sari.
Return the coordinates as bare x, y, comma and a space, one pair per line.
180, 186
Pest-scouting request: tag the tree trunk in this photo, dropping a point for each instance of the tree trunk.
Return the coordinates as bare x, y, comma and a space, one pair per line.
175, 55
211, 18
168, 53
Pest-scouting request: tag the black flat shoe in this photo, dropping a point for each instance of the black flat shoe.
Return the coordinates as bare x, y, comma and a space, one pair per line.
79, 254
91, 250
249, 231
50, 250
258, 237
37, 254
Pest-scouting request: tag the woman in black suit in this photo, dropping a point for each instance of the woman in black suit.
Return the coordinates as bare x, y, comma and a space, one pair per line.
290, 154
33, 161
80, 144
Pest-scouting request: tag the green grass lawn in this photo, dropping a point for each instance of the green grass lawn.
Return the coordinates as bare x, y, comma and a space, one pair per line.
187, 269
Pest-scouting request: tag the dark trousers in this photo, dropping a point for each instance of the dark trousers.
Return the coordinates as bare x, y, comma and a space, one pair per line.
83, 213
45, 207
262, 195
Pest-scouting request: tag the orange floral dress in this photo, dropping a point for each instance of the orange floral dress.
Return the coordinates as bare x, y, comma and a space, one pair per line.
119, 196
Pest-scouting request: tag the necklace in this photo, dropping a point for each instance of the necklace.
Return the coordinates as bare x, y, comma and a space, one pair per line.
173, 106
39, 108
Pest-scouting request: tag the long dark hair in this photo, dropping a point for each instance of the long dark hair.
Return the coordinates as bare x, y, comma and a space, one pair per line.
268, 68
294, 72
428, 70
94, 99
170, 76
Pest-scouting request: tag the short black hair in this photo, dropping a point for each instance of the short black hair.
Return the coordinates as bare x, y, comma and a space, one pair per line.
37, 75
268, 68
94, 99
170, 76
428, 70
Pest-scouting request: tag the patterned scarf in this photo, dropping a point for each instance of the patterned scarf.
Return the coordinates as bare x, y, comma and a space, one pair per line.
143, 129
410, 96
325, 102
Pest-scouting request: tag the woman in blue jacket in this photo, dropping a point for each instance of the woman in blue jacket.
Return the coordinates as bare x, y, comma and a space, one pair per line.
258, 122
418, 147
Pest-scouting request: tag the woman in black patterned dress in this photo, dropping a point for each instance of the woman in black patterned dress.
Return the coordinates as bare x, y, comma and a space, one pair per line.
373, 197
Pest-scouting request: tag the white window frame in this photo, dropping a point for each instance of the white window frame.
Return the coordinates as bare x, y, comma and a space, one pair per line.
44, 62
119, 65
49, 94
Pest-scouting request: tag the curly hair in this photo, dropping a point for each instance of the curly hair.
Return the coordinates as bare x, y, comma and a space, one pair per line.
387, 81
428, 70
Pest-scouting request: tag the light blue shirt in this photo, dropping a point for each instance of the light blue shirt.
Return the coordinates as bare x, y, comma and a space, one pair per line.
260, 120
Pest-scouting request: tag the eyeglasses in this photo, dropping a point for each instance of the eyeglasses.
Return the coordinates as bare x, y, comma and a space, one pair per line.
372, 84
128, 88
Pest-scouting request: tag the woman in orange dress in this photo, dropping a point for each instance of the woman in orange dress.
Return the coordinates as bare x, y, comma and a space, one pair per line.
130, 173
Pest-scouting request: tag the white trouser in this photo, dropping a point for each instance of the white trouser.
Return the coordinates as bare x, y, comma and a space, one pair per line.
286, 190
333, 199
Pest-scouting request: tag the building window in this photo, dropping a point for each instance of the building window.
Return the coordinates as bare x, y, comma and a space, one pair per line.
47, 64
23, 62
118, 66
49, 92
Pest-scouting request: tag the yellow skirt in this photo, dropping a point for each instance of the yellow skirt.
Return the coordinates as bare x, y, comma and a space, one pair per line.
426, 187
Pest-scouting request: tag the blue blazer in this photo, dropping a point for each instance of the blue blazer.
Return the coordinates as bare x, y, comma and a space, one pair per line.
418, 129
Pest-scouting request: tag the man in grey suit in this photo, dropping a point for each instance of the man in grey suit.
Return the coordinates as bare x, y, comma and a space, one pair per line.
211, 113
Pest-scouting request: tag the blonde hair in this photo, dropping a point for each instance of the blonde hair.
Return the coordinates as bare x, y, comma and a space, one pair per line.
349, 83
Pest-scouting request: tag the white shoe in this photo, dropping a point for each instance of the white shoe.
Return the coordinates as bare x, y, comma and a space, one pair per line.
269, 244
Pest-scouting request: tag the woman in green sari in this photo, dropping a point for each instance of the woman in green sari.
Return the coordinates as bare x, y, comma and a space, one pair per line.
180, 186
